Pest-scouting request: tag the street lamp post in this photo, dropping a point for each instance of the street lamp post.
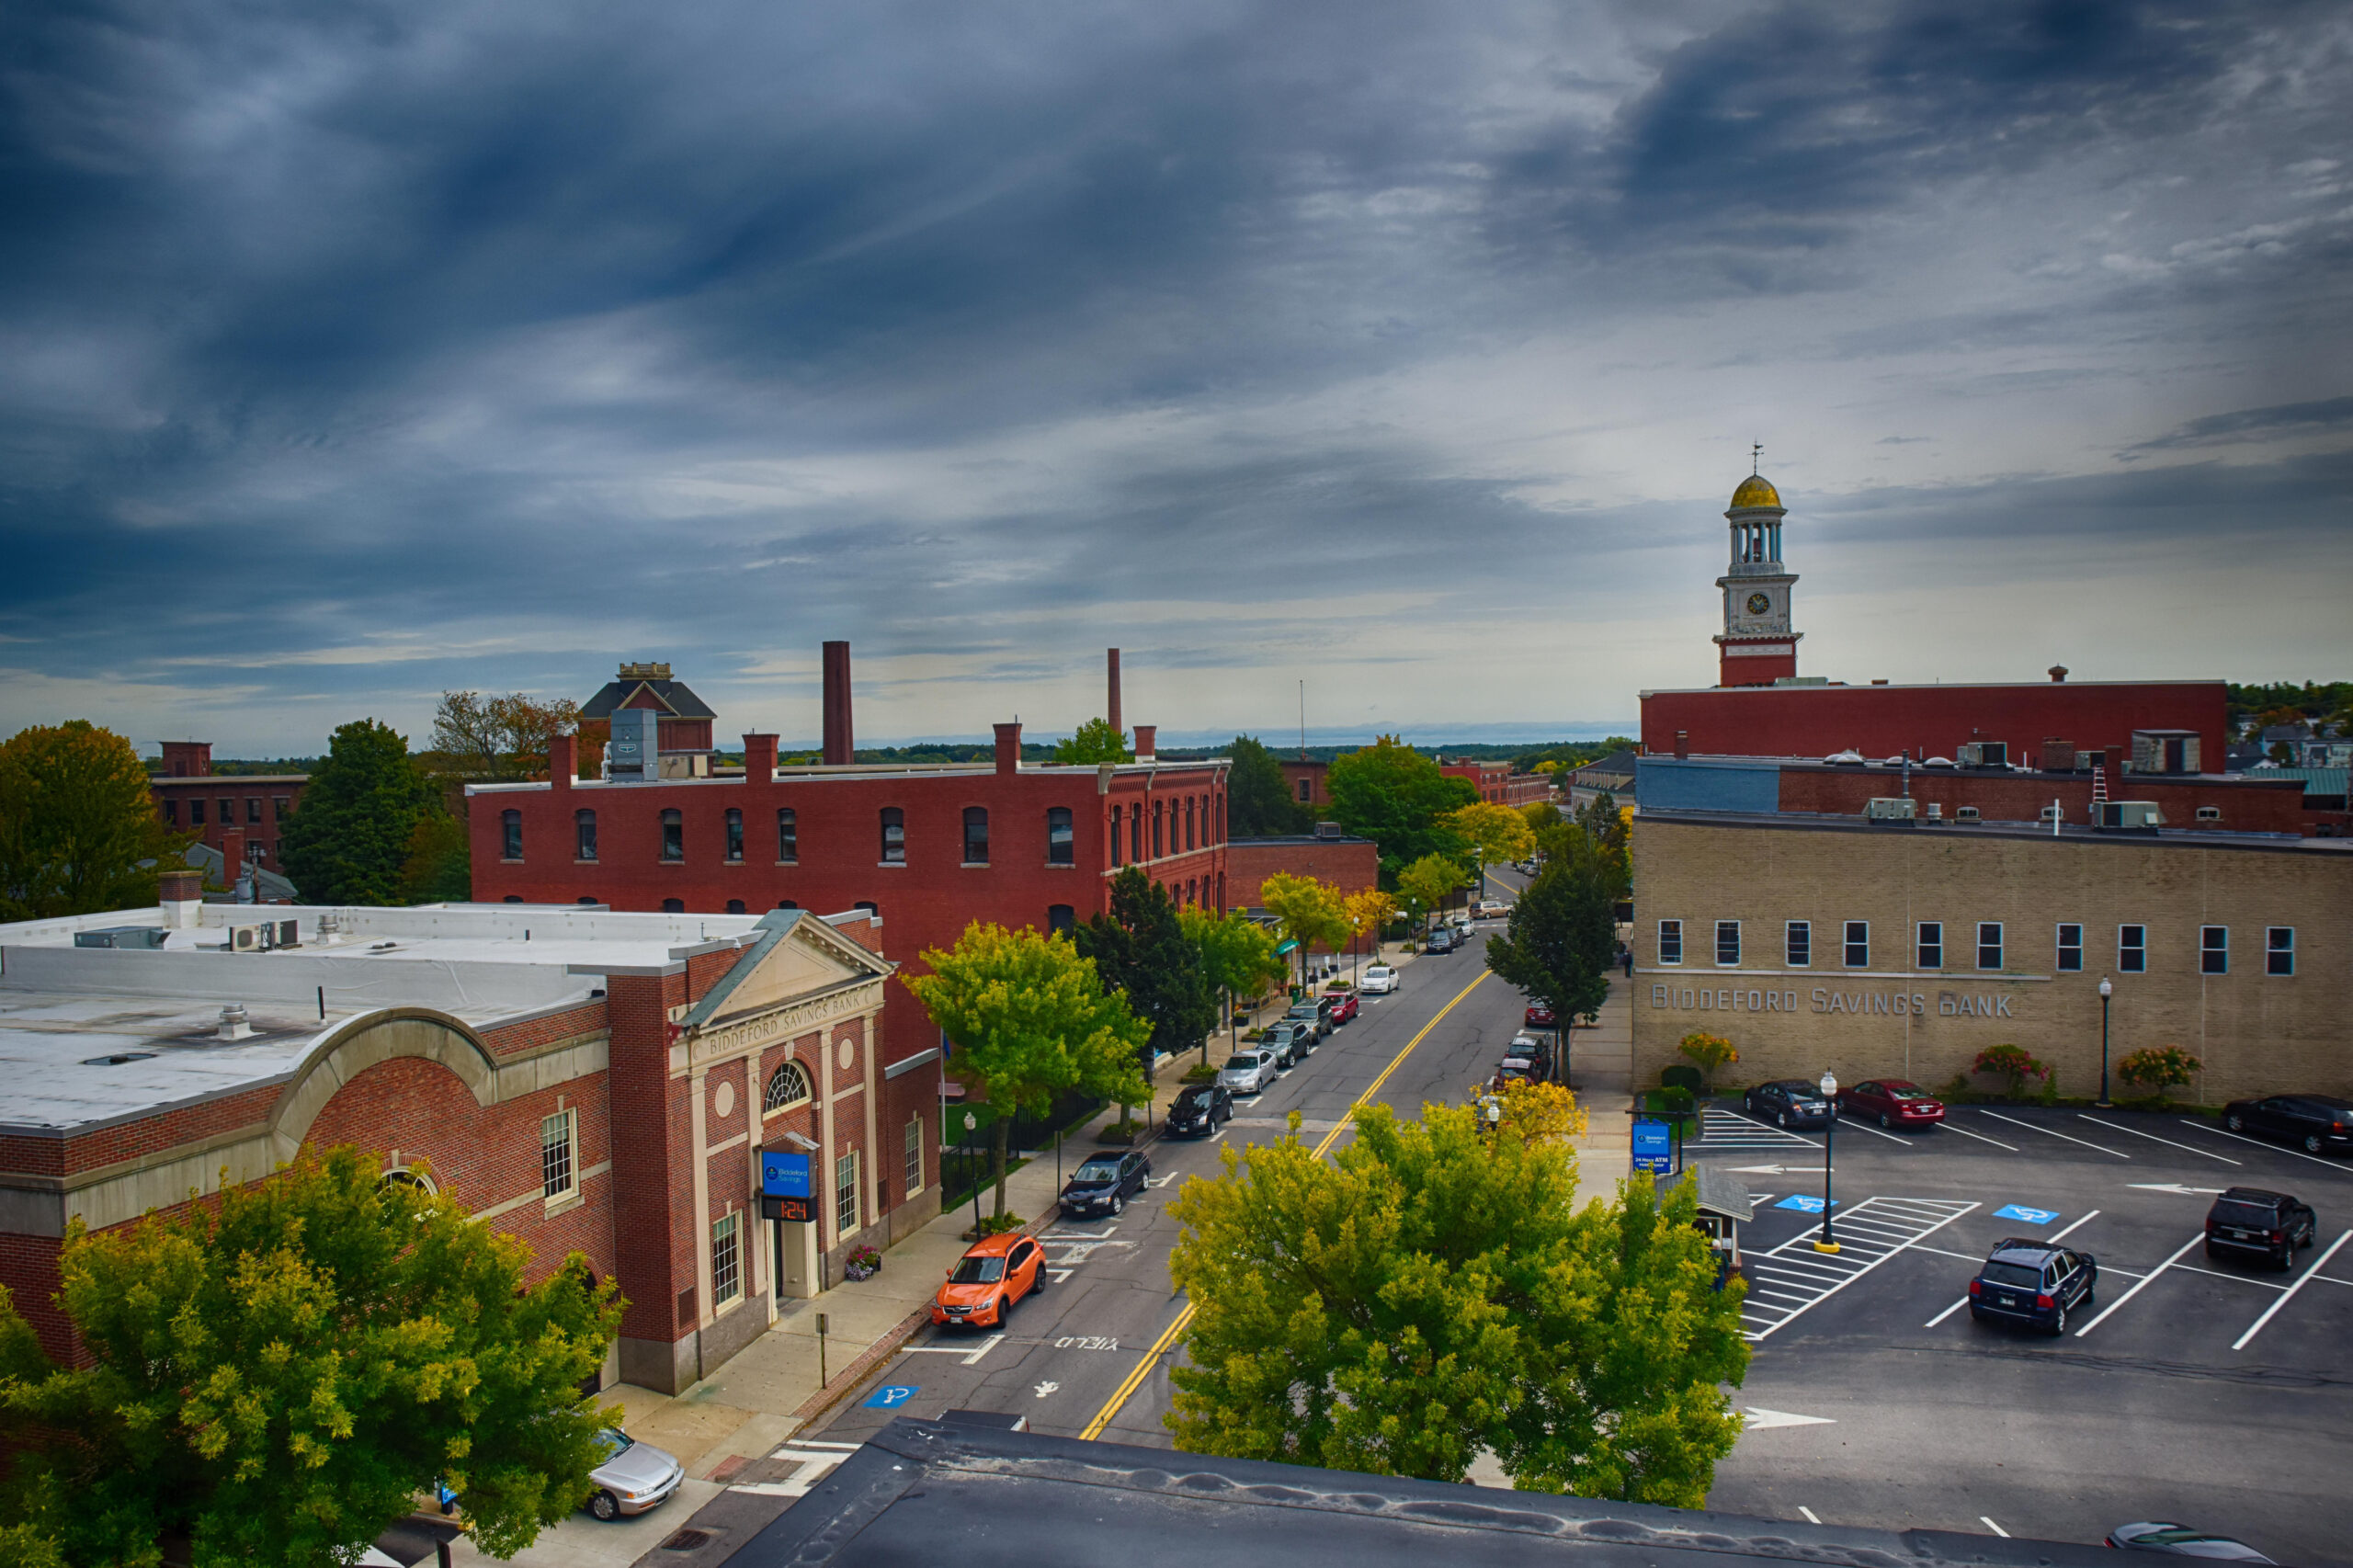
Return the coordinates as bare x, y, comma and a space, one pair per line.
972, 1122
2105, 991
1827, 1240
1355, 925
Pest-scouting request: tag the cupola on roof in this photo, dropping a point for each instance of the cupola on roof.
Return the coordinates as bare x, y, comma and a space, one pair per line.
1755, 491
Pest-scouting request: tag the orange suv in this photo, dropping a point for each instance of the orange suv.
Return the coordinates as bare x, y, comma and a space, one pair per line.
988, 1280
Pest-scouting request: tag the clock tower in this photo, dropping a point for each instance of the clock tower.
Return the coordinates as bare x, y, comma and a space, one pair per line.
1757, 646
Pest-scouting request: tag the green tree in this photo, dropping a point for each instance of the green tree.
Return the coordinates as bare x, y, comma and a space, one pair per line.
78, 830
439, 864
275, 1380
1368, 911
1095, 741
1429, 882
1492, 833
1306, 910
348, 840
1029, 1019
502, 738
1258, 801
1237, 956
1435, 1291
1558, 943
1393, 795
1140, 948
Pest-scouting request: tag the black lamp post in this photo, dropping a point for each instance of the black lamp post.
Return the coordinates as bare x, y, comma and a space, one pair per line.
2105, 991
1827, 1241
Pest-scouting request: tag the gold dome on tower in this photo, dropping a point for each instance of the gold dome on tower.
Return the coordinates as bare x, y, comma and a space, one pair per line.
1755, 491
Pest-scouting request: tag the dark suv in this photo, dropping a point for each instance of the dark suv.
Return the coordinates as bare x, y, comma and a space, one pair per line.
2319, 1124
2032, 1283
1315, 1012
2248, 1219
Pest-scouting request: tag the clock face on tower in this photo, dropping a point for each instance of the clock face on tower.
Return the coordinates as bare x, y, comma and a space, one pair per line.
1759, 603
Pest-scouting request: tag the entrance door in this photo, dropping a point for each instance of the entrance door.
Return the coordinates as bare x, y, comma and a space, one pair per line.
796, 1259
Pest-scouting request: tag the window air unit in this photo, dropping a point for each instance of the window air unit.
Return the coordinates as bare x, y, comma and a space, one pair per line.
2210, 814
2051, 813
1964, 813
249, 939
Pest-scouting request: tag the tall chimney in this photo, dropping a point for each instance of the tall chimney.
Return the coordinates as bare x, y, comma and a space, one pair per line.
1112, 713
563, 761
839, 748
1008, 747
759, 759
1682, 746
181, 891
1145, 736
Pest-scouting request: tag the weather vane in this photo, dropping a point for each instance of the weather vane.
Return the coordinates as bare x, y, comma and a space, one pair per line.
1756, 456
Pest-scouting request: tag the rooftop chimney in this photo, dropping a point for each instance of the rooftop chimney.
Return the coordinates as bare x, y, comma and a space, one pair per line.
1682, 746
2058, 672
759, 759
1112, 713
839, 748
563, 761
180, 890
1145, 734
1008, 747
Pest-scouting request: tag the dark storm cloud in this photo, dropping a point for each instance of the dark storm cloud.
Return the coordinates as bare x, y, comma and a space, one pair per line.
2248, 424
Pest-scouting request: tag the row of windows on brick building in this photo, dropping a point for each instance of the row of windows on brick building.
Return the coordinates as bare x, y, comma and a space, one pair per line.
1928, 947
281, 806
1061, 841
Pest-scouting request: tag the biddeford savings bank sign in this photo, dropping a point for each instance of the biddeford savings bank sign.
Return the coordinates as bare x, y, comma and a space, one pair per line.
1893, 1003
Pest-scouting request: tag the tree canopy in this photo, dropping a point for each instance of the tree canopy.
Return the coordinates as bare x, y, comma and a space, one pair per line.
1492, 831
1368, 910
1094, 742
1561, 939
1029, 1018
439, 863
351, 838
1258, 801
78, 829
501, 738
1429, 882
1435, 1291
1140, 948
1237, 955
1306, 910
274, 1381
1393, 795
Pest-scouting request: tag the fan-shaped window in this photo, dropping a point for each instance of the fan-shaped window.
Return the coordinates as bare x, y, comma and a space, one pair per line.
406, 1176
789, 1086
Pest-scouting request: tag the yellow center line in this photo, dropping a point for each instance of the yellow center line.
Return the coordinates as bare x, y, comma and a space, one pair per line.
1142, 1369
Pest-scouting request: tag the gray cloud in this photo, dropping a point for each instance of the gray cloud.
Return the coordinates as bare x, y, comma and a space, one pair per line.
2252, 424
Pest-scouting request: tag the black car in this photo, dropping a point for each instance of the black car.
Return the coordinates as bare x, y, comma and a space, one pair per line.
2160, 1535
1291, 1041
1315, 1012
1441, 940
2316, 1123
2247, 1220
1197, 1111
1786, 1102
2032, 1283
1103, 1184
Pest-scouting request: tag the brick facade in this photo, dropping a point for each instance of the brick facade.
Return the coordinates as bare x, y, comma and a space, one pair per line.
190, 798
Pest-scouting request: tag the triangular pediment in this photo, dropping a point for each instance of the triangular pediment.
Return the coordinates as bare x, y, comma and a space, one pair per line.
804, 958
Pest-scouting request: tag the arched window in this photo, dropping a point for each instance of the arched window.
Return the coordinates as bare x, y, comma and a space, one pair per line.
1135, 831
510, 827
734, 907
406, 1176
788, 837
514, 898
674, 906
1190, 843
1157, 840
734, 834
674, 836
976, 836
1115, 835
584, 835
894, 836
788, 1086
1059, 918
1061, 844
588, 898
786, 903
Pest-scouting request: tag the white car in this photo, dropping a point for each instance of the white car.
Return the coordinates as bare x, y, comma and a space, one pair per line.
633, 1477
1380, 979
1460, 920
1248, 1072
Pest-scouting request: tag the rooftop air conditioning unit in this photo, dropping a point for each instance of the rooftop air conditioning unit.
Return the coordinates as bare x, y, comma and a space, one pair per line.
286, 934
256, 938
121, 936
1934, 813
1892, 808
1964, 813
1985, 753
2130, 816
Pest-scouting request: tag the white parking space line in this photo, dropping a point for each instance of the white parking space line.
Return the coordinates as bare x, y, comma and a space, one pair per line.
2058, 1237
1860, 1127
1809, 1514
1732, 1129
2234, 1279
2052, 1240
1965, 1133
1991, 1525
1945, 1313
2257, 1327
2335, 1165
1870, 1233
2031, 1127
2119, 1127
2141, 1285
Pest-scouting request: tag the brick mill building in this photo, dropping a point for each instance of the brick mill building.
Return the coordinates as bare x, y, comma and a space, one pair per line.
239, 814
585, 1079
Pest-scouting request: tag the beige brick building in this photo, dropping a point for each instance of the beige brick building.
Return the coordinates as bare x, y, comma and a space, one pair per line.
1891, 949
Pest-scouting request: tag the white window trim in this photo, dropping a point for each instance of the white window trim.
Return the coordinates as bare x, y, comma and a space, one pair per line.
1845, 942
1737, 945
858, 1197
2059, 946
914, 1132
570, 1194
2001, 946
2123, 926
1676, 962
733, 1218
1788, 927
2204, 948
1920, 940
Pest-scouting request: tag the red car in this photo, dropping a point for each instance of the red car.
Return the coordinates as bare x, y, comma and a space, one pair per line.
1345, 1006
1540, 1017
1892, 1102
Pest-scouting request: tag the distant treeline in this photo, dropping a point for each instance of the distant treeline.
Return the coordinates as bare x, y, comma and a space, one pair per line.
2313, 699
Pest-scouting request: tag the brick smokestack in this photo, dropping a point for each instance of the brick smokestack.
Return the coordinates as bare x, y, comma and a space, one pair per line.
759, 759
839, 748
1112, 711
563, 761
1146, 734
1008, 747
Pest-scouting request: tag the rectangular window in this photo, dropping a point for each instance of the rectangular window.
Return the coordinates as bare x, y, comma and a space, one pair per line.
1727, 942
196, 810
914, 1172
2280, 950
1670, 941
734, 834
2071, 949
510, 828
1932, 945
279, 805
1135, 831
171, 810
228, 810
1158, 838
1801, 944
2132, 948
1858, 944
788, 837
894, 836
674, 836
1061, 844
1989, 943
846, 1194
253, 810
1115, 835
726, 1262
976, 836
584, 836
2213, 950
557, 1169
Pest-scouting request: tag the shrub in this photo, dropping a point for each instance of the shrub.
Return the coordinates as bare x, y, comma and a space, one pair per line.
2011, 1062
1710, 1051
1202, 1072
1120, 1133
1680, 1078
998, 1224
2157, 1068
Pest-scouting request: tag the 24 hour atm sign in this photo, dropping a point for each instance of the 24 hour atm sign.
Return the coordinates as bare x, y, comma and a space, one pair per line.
1887, 1004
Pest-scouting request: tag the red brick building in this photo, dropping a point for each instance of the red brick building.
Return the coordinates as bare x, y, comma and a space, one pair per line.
1497, 784
238, 814
585, 1080
1349, 864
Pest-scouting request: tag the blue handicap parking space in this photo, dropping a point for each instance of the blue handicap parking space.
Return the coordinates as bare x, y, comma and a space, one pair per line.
889, 1395
1803, 1204
2029, 1216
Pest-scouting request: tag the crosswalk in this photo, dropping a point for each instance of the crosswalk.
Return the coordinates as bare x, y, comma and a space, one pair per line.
1792, 1278
1730, 1130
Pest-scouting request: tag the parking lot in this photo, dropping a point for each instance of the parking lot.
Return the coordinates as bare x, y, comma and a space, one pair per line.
2220, 1394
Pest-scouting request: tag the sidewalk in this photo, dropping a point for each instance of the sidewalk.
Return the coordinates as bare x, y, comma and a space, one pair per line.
1603, 1068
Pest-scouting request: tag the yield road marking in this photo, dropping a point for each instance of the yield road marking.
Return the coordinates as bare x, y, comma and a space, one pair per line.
2141, 1285
2031, 1127
1889, 1225
2258, 1327
1965, 1133
1754, 1419
2172, 1186
2226, 1132
2119, 1127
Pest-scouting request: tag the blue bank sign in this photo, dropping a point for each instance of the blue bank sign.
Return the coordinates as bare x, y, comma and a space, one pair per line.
1654, 1150
784, 1174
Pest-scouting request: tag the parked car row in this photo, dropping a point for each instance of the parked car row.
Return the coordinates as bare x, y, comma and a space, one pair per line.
1289, 1040
2318, 1124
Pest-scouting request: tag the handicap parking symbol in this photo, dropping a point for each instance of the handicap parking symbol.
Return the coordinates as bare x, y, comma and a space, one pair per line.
1803, 1204
2031, 1216
889, 1395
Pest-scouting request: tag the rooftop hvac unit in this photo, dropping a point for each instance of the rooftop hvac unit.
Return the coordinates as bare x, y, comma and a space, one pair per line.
1964, 813
1892, 808
287, 933
1985, 753
121, 936
248, 938
2130, 816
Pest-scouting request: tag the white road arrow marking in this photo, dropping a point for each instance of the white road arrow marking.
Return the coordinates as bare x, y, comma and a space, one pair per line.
1045, 1389
1762, 1420
2173, 1187
1777, 1170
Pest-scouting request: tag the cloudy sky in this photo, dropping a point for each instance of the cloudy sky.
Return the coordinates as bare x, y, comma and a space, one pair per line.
352, 353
